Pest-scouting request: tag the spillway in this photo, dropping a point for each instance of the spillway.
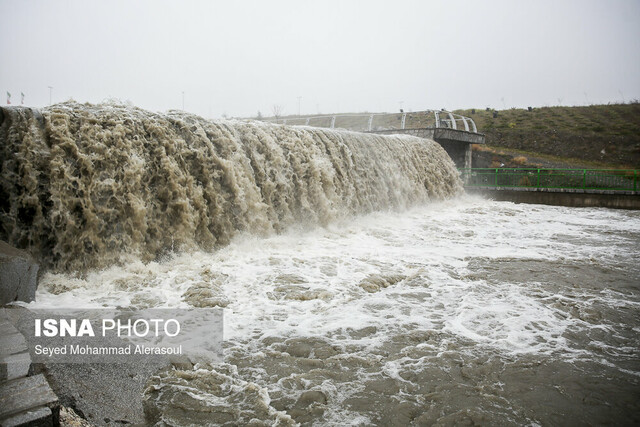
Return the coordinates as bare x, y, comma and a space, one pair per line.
352, 292
84, 186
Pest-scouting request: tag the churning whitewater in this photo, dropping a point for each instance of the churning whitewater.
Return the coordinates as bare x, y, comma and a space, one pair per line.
350, 296
85, 185
462, 312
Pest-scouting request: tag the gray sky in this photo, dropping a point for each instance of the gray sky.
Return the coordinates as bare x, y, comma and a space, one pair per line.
238, 57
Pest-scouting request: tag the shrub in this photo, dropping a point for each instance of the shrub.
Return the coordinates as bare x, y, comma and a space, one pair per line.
520, 160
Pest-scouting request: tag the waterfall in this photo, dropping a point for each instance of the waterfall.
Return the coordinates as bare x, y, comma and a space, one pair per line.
83, 185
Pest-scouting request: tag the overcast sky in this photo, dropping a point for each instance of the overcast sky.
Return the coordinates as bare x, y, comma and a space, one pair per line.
240, 57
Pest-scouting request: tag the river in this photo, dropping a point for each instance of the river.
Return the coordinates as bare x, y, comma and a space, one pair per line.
464, 311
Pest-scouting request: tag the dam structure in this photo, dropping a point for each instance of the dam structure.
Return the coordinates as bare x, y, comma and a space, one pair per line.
83, 184
358, 281
455, 133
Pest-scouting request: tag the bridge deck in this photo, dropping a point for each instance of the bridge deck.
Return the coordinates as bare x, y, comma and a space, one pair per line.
439, 134
455, 133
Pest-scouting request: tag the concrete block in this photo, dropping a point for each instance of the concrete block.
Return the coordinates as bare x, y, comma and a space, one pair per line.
6, 327
12, 343
14, 355
41, 416
24, 395
18, 275
14, 366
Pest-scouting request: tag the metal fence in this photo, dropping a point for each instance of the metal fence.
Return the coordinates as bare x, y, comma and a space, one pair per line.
585, 179
384, 121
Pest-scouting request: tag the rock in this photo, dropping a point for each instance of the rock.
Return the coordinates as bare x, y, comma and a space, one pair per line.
18, 275
87, 387
69, 418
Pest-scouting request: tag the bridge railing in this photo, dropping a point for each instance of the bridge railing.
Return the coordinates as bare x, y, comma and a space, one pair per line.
384, 121
585, 179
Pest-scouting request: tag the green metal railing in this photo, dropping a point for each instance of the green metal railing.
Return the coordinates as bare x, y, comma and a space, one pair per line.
585, 179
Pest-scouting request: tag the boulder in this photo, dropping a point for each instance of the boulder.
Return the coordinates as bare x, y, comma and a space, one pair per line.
18, 275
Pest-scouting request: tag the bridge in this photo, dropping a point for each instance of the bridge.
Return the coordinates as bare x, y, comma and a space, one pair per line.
455, 133
614, 188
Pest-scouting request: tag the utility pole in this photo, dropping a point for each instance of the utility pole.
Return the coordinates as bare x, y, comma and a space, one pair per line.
299, 98
50, 94
400, 102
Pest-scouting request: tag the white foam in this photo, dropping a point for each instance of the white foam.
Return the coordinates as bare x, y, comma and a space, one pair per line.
309, 283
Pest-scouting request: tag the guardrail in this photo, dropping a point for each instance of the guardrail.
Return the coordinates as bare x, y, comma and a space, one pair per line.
584, 179
385, 121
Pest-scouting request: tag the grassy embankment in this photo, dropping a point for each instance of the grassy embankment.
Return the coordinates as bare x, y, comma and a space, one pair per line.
597, 136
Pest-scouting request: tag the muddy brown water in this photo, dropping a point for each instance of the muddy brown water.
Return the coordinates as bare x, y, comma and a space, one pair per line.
463, 312
359, 286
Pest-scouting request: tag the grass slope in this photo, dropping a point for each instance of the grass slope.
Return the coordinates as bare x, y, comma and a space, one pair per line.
596, 135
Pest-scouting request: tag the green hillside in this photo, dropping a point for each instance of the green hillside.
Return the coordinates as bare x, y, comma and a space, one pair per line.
608, 135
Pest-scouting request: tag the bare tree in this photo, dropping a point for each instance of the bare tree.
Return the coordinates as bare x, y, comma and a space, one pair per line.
277, 111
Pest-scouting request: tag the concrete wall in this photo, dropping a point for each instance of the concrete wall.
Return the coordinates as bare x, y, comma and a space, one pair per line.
459, 152
457, 143
571, 199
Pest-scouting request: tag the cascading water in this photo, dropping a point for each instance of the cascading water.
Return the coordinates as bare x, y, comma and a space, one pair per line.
461, 312
84, 185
